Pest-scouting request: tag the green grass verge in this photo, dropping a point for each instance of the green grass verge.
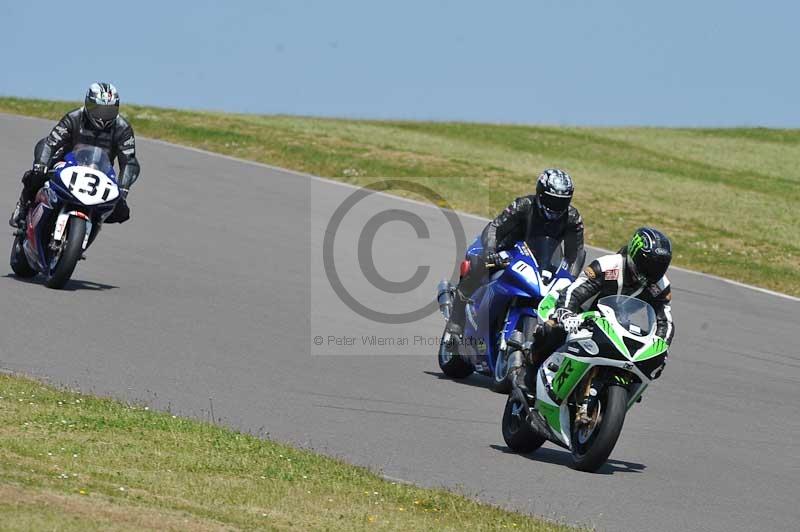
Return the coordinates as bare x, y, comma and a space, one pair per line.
75, 462
727, 197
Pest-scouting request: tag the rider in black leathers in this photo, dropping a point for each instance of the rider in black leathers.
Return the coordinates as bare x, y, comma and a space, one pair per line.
547, 213
97, 123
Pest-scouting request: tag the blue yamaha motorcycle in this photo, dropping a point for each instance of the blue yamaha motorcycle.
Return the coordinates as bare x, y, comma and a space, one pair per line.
499, 307
66, 216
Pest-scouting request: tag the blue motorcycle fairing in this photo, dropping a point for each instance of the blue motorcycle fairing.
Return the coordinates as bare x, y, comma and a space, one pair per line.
475, 248
493, 312
54, 196
514, 282
43, 214
514, 315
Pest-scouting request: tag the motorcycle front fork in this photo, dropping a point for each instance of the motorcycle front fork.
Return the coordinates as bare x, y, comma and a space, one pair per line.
582, 412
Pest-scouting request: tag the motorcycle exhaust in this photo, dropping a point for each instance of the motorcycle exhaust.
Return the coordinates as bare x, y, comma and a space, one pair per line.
515, 361
515, 364
445, 293
519, 395
531, 418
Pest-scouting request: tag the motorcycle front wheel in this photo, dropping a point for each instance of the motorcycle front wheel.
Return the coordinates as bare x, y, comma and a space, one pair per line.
592, 445
68, 255
501, 378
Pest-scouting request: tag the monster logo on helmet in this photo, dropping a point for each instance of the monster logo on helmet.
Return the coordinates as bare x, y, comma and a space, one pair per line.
649, 254
636, 244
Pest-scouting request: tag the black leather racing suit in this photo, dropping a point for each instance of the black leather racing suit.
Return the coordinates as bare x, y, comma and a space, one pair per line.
73, 129
521, 220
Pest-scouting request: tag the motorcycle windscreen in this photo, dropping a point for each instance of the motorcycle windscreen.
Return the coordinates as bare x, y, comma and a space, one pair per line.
548, 253
632, 314
93, 157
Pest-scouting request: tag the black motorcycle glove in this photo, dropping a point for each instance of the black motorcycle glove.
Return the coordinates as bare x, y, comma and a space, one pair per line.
33, 180
120, 214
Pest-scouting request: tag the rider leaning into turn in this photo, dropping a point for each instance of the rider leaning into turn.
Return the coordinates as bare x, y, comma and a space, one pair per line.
637, 270
547, 213
97, 123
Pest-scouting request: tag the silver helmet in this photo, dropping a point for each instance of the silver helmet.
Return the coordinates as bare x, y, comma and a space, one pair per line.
554, 190
101, 105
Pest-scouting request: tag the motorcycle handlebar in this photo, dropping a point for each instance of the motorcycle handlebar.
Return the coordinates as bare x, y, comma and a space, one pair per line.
495, 266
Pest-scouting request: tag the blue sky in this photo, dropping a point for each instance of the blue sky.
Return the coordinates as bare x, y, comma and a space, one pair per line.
692, 63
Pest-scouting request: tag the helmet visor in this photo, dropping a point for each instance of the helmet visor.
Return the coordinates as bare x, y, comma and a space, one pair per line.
638, 276
654, 268
648, 269
554, 205
102, 113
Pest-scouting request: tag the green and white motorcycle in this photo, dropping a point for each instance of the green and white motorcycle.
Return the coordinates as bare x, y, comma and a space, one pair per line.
585, 388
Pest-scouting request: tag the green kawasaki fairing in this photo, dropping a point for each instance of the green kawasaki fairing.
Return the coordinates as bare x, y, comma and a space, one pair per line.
567, 376
610, 345
616, 347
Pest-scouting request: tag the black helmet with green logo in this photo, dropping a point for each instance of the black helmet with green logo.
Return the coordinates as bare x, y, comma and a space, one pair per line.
649, 254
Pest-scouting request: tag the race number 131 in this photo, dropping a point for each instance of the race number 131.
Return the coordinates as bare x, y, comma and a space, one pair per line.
87, 183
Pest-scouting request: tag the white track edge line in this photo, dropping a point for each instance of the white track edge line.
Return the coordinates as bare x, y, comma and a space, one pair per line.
416, 202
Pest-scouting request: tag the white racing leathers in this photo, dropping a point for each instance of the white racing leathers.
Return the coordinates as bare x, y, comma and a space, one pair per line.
608, 276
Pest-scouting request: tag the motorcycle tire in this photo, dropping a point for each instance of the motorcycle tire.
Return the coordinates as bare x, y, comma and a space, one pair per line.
517, 432
451, 363
501, 383
593, 454
19, 262
70, 254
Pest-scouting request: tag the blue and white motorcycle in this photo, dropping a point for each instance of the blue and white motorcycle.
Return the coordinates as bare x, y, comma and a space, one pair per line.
506, 302
66, 216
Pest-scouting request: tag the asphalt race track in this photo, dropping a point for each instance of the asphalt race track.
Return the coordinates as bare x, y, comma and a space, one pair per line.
214, 293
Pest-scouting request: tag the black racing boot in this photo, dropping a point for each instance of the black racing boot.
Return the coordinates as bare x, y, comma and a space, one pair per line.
20, 213
455, 325
529, 381
522, 366
517, 365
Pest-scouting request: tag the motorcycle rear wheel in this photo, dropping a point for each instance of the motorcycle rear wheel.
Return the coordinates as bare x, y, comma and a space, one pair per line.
19, 262
590, 455
70, 253
451, 362
517, 432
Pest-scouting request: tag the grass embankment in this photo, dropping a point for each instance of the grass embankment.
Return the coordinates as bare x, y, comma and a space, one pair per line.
728, 197
75, 462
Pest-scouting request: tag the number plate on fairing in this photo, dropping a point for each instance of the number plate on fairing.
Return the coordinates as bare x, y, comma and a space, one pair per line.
526, 271
88, 185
